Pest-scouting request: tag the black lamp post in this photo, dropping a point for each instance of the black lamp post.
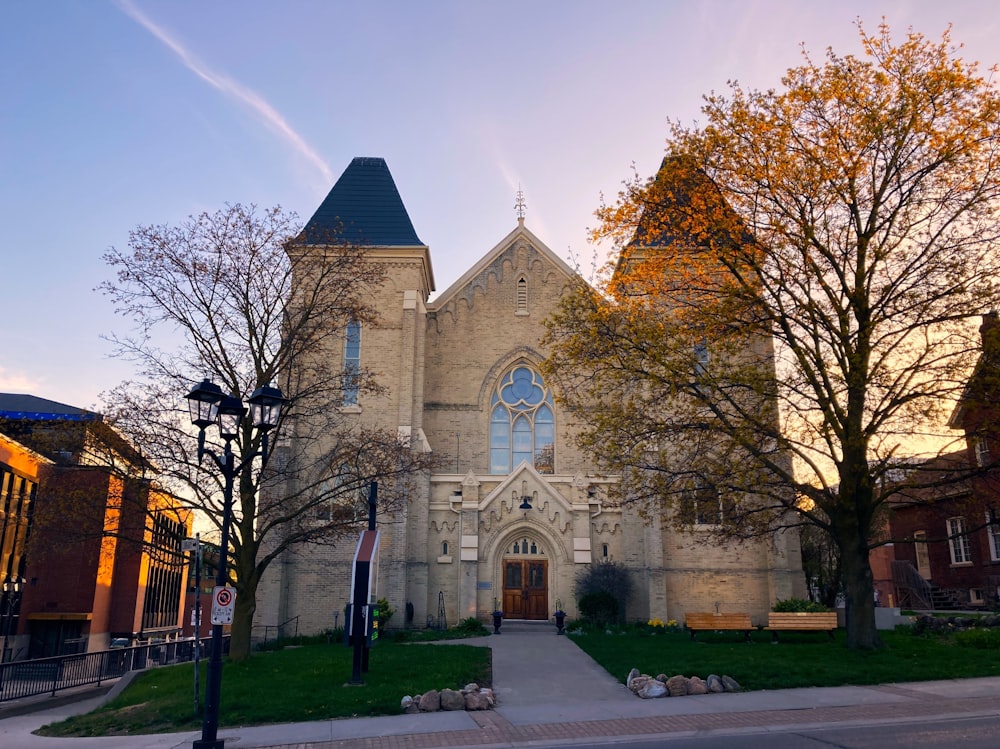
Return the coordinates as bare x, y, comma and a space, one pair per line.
11, 600
209, 406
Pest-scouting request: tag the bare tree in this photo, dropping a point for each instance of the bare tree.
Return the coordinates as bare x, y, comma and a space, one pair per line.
235, 296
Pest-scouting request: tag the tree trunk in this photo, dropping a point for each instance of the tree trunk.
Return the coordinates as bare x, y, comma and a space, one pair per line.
859, 592
246, 606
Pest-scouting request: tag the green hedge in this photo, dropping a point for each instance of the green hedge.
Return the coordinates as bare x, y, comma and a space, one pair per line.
798, 605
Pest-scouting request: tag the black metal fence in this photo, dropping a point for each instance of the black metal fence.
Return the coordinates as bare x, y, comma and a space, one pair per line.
21, 679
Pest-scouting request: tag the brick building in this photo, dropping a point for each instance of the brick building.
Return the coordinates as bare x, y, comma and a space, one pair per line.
90, 543
515, 509
947, 546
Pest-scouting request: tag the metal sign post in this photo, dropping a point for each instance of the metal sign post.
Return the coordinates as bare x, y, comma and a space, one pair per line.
364, 573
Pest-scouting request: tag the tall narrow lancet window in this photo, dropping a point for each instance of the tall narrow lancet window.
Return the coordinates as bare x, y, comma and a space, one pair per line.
352, 362
522, 296
522, 422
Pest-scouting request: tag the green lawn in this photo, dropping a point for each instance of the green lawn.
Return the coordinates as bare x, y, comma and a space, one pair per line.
285, 686
799, 660
308, 683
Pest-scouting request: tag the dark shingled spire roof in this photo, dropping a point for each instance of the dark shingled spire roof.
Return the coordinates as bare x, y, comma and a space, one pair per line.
364, 207
680, 191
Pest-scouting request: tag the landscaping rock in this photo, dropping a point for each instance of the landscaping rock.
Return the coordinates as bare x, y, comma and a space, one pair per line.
714, 684
731, 684
653, 689
476, 701
662, 677
677, 686
697, 686
638, 682
631, 675
430, 702
452, 700
471, 697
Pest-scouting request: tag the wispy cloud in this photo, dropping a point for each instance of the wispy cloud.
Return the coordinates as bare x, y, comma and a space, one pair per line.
222, 82
16, 382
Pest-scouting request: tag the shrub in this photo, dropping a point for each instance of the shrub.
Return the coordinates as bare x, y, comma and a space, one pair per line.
599, 608
385, 612
610, 579
471, 626
798, 605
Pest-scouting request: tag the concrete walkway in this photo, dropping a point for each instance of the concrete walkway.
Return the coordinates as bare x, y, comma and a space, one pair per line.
550, 692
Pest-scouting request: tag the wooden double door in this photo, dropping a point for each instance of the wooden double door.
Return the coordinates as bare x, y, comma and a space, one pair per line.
525, 589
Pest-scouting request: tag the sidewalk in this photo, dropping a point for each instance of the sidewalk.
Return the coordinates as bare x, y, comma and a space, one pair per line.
550, 692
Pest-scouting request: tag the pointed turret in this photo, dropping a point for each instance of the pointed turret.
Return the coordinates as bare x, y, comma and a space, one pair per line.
363, 208
684, 207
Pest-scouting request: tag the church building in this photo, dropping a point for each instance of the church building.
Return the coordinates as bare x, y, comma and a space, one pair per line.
514, 510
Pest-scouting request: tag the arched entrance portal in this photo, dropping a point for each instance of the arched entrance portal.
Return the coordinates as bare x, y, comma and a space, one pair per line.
525, 580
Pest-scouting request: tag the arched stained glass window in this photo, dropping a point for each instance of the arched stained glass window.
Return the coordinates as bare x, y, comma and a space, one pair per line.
522, 422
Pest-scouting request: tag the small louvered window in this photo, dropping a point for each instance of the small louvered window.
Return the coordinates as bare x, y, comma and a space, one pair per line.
522, 294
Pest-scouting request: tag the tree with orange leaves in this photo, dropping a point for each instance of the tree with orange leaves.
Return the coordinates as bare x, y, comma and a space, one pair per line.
791, 299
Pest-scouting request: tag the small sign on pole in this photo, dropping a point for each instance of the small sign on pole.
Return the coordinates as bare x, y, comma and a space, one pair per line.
223, 603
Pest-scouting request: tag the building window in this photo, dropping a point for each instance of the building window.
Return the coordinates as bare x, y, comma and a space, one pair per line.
982, 452
522, 296
993, 533
923, 556
703, 504
701, 359
444, 548
161, 606
522, 423
958, 541
352, 363
604, 551
524, 546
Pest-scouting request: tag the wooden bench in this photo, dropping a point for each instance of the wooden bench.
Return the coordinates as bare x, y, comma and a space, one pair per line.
821, 621
706, 621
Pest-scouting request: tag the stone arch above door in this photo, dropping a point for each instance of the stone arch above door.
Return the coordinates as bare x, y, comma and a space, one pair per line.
524, 576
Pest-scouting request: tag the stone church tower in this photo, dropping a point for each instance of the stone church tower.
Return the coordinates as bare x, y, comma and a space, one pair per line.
514, 510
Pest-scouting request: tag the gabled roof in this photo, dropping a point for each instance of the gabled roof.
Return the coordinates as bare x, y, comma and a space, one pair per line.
524, 471
33, 408
364, 208
486, 260
981, 388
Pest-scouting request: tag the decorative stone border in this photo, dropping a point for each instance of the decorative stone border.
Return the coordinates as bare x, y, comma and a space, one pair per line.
649, 687
471, 697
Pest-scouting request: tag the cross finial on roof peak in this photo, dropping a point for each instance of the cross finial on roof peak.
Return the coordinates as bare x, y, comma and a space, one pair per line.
520, 205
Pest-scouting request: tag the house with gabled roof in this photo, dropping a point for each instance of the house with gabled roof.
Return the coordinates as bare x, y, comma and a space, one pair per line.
514, 510
947, 535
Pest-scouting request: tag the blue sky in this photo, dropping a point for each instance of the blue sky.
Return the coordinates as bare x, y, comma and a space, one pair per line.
116, 114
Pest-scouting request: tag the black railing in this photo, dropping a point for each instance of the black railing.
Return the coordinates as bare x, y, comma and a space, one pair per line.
280, 630
21, 679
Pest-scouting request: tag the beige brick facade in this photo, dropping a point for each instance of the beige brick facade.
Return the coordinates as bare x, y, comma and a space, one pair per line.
441, 361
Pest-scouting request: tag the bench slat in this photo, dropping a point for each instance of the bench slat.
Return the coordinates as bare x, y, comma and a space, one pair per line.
813, 621
707, 621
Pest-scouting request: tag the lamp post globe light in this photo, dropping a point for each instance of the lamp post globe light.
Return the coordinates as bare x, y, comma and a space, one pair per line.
209, 405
